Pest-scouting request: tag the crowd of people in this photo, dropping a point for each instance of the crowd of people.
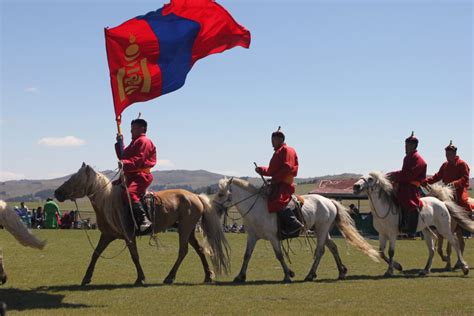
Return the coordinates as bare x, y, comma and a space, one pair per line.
50, 216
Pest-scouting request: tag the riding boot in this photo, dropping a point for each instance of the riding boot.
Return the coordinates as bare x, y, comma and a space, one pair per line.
412, 220
140, 216
403, 221
290, 226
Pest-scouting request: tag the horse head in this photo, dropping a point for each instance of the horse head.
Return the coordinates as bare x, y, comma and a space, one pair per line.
77, 185
223, 197
374, 181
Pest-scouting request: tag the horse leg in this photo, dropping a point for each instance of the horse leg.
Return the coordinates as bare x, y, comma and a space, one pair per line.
184, 233
104, 241
439, 249
454, 242
132, 247
318, 253
3, 274
430, 244
391, 254
251, 241
340, 266
383, 244
460, 237
208, 274
276, 244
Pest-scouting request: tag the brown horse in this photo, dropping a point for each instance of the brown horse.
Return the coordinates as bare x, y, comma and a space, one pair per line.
13, 224
177, 206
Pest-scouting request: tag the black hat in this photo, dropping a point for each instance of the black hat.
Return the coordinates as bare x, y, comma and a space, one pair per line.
278, 133
140, 122
412, 139
451, 147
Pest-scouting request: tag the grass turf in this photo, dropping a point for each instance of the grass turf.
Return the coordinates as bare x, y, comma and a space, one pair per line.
47, 282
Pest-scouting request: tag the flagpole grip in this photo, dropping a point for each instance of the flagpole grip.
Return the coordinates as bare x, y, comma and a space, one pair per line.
119, 132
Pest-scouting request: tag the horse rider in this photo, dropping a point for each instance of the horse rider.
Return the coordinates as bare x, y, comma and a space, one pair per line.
136, 160
408, 181
455, 173
283, 169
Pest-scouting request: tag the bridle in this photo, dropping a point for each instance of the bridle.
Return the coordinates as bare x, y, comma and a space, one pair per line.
370, 190
224, 208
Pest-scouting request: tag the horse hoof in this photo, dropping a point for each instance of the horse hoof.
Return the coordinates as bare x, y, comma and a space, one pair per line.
85, 282
239, 279
310, 277
398, 267
139, 282
291, 273
4, 279
168, 281
458, 265
388, 274
287, 280
344, 270
465, 269
423, 273
448, 267
342, 276
208, 280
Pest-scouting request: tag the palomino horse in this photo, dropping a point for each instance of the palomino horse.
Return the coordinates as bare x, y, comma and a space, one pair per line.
319, 214
13, 224
386, 219
177, 206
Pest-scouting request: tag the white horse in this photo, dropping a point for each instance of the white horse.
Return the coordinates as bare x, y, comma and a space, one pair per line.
386, 219
319, 214
13, 224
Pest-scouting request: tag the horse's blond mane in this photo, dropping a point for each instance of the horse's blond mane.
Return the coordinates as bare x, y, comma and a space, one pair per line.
386, 192
247, 186
441, 191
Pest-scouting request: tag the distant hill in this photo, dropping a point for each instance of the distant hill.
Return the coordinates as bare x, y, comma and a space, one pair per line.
194, 180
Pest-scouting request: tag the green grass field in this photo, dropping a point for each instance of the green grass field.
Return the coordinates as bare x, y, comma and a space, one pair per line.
47, 282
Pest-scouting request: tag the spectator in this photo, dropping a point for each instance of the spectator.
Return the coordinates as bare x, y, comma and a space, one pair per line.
354, 211
51, 214
39, 218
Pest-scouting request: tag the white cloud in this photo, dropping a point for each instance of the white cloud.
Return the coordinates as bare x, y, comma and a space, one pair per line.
164, 163
32, 90
67, 141
7, 175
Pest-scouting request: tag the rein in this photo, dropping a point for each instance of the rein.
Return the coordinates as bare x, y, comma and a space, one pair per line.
90, 241
369, 192
226, 208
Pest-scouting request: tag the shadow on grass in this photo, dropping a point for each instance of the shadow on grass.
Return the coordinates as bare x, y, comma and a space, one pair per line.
22, 300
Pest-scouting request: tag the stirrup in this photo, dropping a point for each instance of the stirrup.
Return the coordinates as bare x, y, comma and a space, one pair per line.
145, 225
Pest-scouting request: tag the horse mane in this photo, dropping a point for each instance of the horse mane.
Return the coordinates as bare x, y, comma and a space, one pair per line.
107, 204
386, 192
247, 186
441, 191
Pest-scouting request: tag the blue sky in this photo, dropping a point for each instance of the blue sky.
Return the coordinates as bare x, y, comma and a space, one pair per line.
347, 80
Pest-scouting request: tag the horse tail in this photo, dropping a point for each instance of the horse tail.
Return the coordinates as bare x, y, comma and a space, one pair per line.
215, 237
347, 227
13, 224
459, 214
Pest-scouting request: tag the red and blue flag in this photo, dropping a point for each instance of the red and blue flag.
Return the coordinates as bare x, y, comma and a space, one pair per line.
150, 55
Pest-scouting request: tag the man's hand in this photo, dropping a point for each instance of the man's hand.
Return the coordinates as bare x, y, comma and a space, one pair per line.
259, 170
119, 138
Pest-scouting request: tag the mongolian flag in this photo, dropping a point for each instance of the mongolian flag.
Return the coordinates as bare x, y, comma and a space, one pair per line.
150, 55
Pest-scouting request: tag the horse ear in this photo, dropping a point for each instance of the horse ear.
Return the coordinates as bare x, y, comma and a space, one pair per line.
83, 164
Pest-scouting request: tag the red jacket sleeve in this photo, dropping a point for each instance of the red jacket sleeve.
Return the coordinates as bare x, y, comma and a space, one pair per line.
437, 176
463, 181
